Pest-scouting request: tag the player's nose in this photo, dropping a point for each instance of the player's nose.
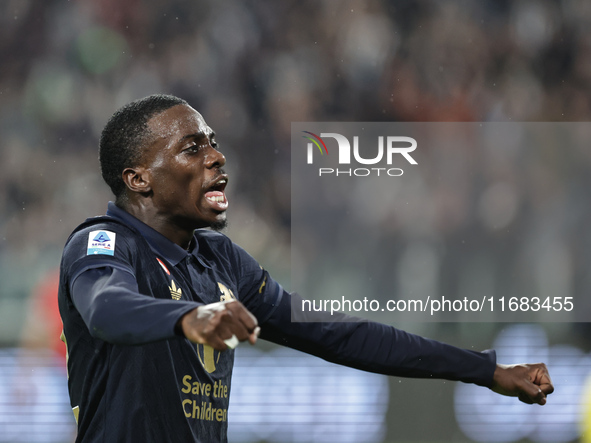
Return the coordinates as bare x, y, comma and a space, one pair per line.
214, 158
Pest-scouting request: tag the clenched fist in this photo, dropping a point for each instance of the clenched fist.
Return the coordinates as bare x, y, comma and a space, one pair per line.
220, 324
530, 382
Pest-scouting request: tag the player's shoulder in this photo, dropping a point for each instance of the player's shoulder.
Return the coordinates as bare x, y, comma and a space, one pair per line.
104, 226
103, 236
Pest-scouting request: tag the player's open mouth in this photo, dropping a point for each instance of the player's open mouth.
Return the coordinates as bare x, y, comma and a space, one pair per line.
216, 196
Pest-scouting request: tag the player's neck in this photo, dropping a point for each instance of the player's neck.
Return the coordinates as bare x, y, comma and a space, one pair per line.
175, 230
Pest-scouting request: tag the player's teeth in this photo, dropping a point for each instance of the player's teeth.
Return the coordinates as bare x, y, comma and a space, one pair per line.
216, 199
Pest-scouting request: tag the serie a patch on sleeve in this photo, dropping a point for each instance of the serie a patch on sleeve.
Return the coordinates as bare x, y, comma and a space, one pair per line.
101, 242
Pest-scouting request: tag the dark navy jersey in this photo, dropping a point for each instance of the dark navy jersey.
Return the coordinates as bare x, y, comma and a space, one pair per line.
133, 377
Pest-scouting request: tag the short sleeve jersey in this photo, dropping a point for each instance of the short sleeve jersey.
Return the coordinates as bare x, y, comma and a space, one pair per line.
169, 389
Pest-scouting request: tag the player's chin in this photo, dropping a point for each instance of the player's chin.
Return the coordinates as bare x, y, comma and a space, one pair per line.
219, 223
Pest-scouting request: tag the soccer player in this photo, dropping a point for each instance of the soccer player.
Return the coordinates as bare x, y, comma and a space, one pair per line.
153, 305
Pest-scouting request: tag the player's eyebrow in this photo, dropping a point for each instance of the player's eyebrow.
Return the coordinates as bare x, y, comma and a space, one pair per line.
197, 135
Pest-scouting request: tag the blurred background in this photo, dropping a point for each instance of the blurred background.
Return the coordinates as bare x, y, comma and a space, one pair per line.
252, 68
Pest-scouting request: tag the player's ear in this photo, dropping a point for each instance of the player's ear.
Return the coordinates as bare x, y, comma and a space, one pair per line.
137, 179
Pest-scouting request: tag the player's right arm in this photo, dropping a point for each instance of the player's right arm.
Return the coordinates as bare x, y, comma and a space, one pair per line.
112, 308
104, 289
104, 265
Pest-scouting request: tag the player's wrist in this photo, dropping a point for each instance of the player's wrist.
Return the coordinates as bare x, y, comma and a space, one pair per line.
180, 326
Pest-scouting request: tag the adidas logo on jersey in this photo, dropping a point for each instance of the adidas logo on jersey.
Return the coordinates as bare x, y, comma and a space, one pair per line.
175, 293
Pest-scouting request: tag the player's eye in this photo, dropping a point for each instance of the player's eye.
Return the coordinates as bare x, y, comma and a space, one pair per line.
195, 147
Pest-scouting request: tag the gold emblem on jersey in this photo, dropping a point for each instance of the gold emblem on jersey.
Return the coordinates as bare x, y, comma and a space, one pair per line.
175, 293
209, 359
208, 356
227, 294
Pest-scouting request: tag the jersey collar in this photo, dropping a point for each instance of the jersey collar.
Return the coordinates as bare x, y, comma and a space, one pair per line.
162, 246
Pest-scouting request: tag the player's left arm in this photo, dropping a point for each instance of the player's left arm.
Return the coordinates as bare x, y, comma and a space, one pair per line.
358, 344
384, 349
376, 347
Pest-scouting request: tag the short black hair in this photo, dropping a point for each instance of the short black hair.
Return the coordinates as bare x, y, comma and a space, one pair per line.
124, 134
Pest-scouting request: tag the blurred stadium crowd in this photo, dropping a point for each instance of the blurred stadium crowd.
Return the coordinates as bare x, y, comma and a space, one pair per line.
251, 68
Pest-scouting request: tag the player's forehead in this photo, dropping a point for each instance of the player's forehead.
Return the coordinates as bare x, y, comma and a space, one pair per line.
176, 123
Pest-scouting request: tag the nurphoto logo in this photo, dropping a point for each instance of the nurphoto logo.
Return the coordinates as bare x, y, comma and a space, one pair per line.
394, 145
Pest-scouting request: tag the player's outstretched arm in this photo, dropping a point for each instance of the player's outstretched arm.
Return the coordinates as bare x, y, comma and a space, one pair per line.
216, 324
530, 382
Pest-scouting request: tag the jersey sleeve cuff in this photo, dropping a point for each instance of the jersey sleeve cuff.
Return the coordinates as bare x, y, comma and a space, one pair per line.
491, 356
